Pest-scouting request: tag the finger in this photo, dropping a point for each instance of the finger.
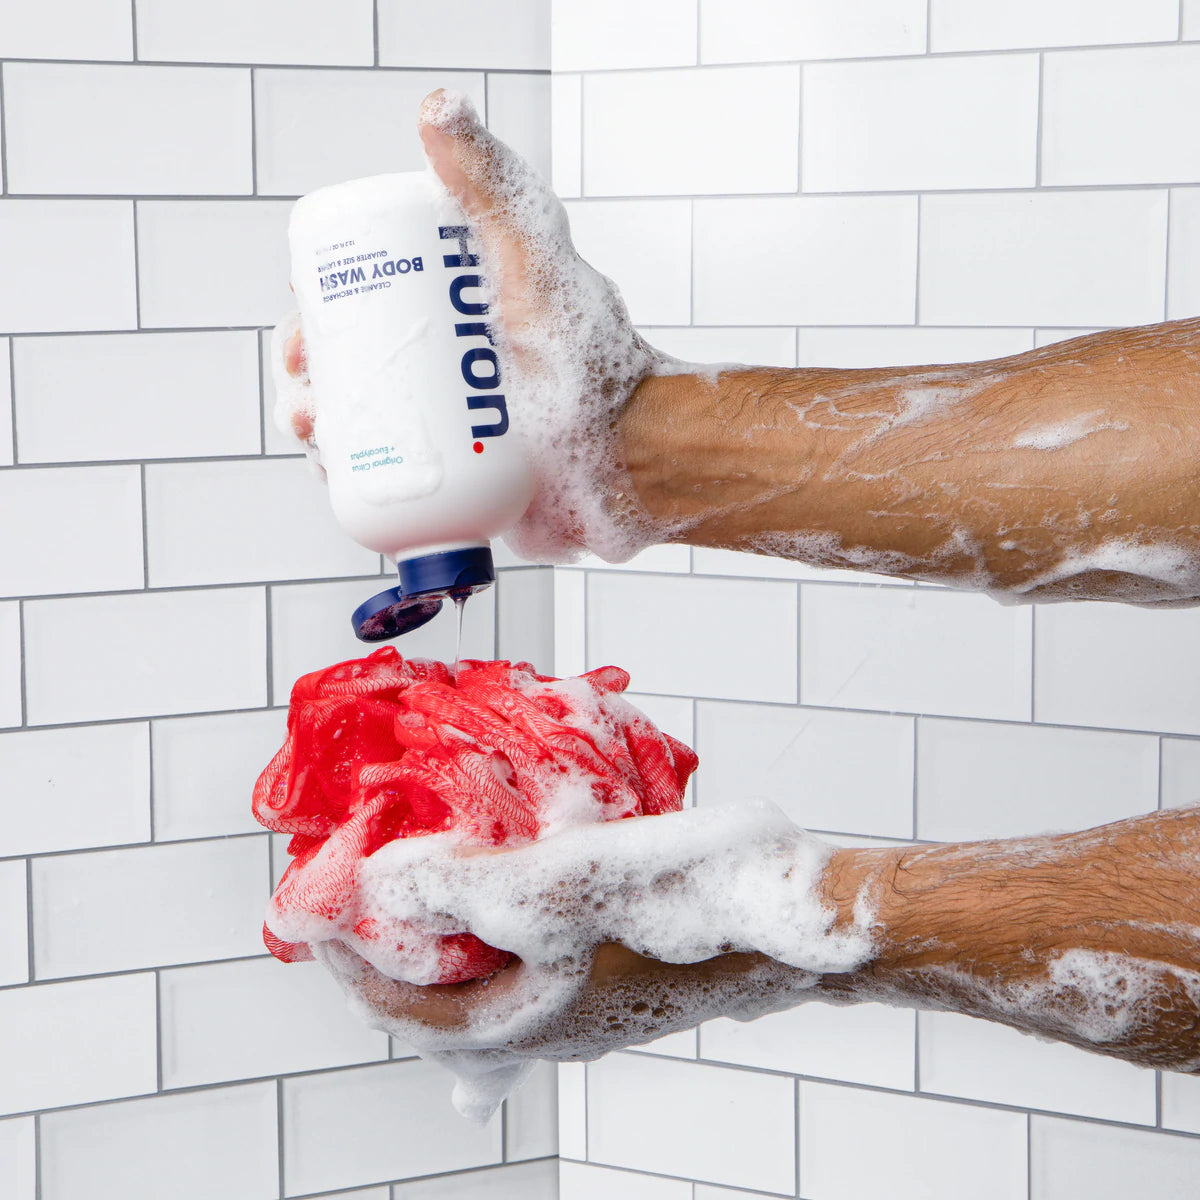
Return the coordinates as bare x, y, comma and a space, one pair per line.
293, 354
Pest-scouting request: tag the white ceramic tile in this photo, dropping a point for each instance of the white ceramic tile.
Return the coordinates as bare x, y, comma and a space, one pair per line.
7, 414
850, 772
983, 781
914, 346
729, 345
1191, 19
1181, 1102
682, 1044
376, 1123
1180, 772
147, 654
920, 124
706, 561
918, 1148
674, 133
303, 1023
644, 246
238, 522
481, 34
770, 30
977, 25
10, 671
256, 31
671, 559
14, 945
864, 1043
1111, 116
1033, 259
733, 640
522, 1181
518, 112
314, 128
136, 396
961, 1056
219, 1142
119, 910
531, 1116
813, 260
119, 130
42, 243
572, 1110
67, 29
566, 134
710, 1123
18, 1171
80, 530
213, 262
525, 617
569, 623
311, 629
914, 650
205, 768
1112, 665
70, 1043
1048, 337
1183, 267
632, 34
704, 1192
583, 1181
63, 789
1074, 1160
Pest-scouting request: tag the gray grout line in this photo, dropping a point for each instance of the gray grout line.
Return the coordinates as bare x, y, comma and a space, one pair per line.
279, 1131
928, 28
917, 268
357, 68
253, 137
37, 1156
199, 586
916, 741
133, 29
939, 1097
150, 791
28, 925
1033, 611
795, 1133
12, 396
1028, 1156
137, 271
67, 464
375, 32
1167, 269
270, 648
147, 845
158, 1031
3, 130
24, 665
262, 406
1041, 96
145, 529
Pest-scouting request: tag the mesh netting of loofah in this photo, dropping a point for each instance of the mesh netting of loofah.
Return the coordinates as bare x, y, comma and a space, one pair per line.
384, 747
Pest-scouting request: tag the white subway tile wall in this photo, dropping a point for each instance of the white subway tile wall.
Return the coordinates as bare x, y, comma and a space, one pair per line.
956, 180
150, 627
168, 566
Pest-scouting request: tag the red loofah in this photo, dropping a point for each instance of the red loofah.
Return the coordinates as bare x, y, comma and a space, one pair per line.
382, 747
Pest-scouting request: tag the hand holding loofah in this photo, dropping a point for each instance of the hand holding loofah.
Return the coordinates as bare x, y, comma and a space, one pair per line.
497, 755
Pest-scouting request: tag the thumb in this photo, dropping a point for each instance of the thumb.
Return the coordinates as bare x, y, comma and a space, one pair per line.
465, 156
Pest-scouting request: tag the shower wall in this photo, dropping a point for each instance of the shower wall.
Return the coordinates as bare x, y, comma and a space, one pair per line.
816, 182
168, 566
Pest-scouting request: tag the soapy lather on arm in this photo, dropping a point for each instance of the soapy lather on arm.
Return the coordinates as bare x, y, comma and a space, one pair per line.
1067, 472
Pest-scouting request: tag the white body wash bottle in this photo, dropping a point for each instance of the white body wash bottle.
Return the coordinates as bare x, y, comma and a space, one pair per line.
413, 421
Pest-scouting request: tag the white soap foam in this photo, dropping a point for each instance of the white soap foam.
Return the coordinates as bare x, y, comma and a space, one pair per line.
1066, 433
680, 888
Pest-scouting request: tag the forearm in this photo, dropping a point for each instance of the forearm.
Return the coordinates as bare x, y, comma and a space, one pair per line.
1064, 471
1091, 938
